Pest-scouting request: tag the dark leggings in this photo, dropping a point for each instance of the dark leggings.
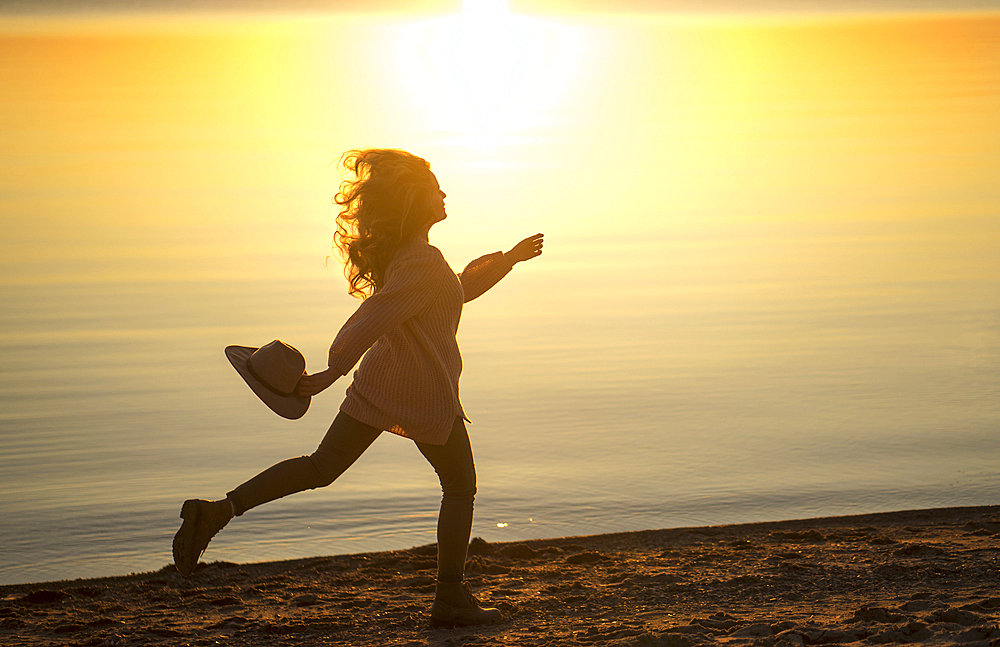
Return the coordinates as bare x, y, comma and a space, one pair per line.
344, 444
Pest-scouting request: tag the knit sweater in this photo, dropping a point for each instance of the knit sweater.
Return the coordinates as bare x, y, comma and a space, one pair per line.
407, 382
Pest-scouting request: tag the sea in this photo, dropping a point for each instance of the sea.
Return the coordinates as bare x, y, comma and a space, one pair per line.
770, 286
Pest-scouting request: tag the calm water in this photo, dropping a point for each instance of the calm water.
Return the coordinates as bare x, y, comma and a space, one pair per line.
771, 285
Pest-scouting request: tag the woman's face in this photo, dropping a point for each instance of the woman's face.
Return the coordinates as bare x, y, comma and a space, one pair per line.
437, 201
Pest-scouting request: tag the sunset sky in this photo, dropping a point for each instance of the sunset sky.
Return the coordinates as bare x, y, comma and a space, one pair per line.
158, 131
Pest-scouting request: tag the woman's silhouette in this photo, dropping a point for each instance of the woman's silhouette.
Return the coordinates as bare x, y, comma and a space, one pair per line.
407, 382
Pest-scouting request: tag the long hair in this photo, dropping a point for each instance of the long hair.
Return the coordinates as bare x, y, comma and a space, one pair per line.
384, 205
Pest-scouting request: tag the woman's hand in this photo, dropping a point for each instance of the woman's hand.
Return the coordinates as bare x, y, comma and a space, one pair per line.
527, 249
310, 385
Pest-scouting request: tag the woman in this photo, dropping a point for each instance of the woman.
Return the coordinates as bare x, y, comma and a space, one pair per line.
407, 382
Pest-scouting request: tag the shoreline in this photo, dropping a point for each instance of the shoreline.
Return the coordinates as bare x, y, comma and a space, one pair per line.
919, 576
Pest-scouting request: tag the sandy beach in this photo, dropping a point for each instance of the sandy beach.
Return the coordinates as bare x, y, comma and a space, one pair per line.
928, 577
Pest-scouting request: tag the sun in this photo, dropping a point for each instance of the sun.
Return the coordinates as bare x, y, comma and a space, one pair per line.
487, 77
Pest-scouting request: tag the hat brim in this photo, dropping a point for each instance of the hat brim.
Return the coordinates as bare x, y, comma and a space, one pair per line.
292, 407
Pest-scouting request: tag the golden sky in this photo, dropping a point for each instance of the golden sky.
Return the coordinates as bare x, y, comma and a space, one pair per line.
176, 135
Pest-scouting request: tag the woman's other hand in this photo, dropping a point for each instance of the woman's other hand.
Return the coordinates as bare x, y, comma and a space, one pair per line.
527, 249
310, 385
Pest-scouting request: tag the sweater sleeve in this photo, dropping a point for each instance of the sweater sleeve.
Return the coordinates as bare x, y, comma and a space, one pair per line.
483, 273
411, 285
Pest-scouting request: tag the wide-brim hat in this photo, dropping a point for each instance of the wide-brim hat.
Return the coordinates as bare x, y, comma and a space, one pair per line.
273, 372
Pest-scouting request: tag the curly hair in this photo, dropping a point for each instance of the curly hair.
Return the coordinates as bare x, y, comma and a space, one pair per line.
384, 205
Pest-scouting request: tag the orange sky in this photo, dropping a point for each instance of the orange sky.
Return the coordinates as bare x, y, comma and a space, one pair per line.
214, 121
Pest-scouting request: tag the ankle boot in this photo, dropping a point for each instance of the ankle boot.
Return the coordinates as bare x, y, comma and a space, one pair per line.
202, 521
455, 605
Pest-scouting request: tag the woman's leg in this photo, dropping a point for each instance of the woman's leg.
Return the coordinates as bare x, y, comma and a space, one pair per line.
454, 603
343, 444
456, 469
346, 440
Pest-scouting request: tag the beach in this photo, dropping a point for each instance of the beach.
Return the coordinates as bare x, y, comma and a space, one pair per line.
925, 576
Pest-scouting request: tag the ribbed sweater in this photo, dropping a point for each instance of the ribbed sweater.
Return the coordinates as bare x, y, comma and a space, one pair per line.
407, 382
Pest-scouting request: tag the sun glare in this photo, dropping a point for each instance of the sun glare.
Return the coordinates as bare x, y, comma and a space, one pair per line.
487, 77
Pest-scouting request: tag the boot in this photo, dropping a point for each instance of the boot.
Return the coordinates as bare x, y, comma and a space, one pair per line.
202, 520
455, 606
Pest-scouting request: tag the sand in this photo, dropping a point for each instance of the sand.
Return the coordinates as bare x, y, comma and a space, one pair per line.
929, 577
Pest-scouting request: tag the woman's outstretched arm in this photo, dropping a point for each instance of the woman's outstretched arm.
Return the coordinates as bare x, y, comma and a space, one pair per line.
486, 271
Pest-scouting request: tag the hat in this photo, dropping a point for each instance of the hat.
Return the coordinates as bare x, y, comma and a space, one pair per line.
273, 372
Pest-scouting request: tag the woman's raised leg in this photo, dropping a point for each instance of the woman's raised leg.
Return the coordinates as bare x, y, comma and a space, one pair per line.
343, 444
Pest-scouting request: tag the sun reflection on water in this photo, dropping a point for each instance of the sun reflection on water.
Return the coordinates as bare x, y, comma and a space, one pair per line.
487, 77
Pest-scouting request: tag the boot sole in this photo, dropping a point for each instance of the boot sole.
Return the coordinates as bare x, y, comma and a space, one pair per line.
184, 540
